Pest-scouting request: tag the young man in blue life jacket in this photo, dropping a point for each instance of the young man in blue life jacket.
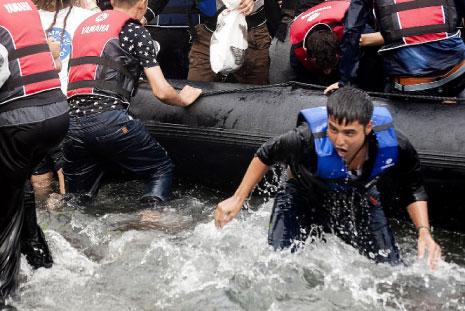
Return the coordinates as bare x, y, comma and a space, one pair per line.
423, 52
342, 161
110, 51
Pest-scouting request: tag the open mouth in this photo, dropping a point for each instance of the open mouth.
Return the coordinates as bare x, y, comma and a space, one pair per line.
341, 152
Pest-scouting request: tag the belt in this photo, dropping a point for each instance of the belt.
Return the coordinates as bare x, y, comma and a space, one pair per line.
253, 20
409, 84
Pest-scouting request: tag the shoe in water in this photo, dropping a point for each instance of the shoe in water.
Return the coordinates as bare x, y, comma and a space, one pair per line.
37, 252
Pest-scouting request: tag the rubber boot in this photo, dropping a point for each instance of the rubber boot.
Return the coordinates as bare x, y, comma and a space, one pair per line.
33, 243
158, 188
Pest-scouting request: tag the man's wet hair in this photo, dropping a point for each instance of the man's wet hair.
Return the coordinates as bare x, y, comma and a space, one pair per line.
349, 104
323, 45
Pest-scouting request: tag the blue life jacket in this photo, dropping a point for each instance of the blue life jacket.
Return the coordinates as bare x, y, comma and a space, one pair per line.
330, 165
178, 13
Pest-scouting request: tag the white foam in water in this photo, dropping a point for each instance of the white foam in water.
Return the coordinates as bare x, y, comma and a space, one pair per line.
198, 267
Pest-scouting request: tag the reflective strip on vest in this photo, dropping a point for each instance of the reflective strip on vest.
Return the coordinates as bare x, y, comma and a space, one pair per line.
328, 14
30, 61
330, 165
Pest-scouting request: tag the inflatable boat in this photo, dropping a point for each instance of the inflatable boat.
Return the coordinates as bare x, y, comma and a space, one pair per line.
213, 141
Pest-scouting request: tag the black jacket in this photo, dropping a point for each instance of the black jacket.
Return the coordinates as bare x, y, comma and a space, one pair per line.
296, 148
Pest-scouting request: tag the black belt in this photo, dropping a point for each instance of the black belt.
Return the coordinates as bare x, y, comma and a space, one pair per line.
253, 20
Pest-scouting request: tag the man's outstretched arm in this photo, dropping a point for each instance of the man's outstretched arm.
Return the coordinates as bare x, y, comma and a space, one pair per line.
229, 208
162, 90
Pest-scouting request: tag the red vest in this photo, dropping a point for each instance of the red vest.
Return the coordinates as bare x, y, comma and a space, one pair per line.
98, 64
404, 22
30, 61
328, 14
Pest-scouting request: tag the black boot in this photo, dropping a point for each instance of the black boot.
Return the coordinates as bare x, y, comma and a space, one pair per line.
33, 243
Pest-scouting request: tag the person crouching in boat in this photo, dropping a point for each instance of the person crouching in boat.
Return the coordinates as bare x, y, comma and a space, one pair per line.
316, 35
342, 161
423, 51
110, 51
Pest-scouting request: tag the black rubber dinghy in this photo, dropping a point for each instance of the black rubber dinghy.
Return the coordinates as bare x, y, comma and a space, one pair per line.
213, 141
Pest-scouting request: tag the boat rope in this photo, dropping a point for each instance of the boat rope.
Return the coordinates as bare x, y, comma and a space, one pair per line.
319, 88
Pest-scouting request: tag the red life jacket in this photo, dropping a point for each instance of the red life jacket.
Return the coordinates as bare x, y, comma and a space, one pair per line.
329, 14
30, 61
98, 63
404, 22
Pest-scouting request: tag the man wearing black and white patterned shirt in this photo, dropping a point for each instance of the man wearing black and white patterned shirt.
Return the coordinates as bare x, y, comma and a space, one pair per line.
110, 51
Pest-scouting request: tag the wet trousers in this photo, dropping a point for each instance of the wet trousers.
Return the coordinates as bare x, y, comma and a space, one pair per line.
22, 147
256, 62
296, 217
113, 140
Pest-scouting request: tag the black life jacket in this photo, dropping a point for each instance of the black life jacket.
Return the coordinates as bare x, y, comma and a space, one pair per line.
404, 23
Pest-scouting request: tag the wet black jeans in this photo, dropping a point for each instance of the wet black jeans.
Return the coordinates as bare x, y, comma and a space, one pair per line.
22, 147
113, 140
296, 216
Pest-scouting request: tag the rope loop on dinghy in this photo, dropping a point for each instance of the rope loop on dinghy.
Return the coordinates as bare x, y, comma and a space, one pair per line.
315, 87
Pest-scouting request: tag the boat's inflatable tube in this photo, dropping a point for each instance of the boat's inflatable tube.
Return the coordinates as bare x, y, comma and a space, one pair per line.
214, 140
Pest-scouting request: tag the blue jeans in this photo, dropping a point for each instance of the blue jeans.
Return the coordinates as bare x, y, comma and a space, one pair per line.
297, 215
113, 140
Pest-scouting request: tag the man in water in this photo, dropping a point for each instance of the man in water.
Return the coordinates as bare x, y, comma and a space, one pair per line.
342, 161
110, 51
33, 119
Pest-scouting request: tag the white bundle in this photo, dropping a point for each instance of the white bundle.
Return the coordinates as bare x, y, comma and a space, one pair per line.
229, 41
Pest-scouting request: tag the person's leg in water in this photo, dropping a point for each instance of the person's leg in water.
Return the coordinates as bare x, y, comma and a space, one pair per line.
294, 218
358, 219
144, 158
112, 140
23, 146
33, 243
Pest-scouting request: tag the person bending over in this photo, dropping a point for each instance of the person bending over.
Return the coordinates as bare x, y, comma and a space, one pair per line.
110, 51
342, 161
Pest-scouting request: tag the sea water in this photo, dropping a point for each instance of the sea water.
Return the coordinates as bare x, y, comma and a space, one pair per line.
108, 258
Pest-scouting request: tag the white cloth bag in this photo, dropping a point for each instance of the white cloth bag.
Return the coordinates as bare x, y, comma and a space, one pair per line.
229, 41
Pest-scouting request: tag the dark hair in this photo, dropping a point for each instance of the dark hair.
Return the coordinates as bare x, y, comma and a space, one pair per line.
349, 104
49, 5
323, 45
125, 3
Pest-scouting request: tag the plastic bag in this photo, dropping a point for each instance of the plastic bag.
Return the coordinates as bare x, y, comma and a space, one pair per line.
4, 66
229, 41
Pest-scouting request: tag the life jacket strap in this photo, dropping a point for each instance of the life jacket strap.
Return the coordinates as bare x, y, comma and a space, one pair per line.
28, 50
100, 84
11, 84
97, 60
420, 30
411, 5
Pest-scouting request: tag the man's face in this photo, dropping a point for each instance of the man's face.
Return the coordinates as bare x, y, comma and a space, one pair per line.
347, 138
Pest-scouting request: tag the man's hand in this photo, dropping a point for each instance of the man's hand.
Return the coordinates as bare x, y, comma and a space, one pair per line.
330, 89
246, 7
426, 243
371, 39
189, 94
227, 210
